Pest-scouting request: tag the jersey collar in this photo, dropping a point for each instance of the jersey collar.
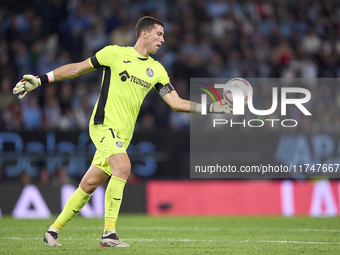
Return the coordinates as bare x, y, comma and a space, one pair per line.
139, 56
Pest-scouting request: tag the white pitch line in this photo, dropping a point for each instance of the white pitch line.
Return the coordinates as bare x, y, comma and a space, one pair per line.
215, 229
286, 241
157, 228
218, 229
187, 240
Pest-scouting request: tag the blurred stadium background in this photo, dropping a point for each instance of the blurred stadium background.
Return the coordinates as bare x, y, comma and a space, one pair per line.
44, 143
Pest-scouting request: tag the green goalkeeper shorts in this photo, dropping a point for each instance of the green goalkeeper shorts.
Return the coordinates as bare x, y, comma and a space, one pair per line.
107, 142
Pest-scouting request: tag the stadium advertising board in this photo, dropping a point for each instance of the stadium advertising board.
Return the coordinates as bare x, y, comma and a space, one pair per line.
247, 198
214, 198
38, 201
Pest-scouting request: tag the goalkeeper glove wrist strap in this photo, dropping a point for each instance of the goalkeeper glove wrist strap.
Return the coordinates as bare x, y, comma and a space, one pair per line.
199, 108
43, 78
209, 108
46, 78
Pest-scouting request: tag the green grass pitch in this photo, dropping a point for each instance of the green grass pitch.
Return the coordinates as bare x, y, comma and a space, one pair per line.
179, 235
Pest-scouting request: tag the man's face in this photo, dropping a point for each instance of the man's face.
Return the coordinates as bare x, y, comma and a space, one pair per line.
154, 39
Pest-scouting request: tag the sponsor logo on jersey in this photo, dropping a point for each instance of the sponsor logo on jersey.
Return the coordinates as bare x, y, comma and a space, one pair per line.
140, 82
119, 144
149, 72
124, 76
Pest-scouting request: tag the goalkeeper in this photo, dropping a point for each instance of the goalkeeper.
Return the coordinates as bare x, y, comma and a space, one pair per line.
129, 73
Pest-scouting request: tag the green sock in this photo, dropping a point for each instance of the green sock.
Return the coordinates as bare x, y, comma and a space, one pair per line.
113, 200
72, 207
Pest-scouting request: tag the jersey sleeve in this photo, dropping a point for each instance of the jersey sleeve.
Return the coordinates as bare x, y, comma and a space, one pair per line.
163, 86
102, 57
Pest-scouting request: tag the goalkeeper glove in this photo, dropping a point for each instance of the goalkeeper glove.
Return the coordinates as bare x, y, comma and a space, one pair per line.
218, 108
27, 84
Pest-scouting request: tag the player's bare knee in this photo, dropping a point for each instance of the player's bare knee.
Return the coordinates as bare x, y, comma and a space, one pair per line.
122, 171
88, 185
125, 169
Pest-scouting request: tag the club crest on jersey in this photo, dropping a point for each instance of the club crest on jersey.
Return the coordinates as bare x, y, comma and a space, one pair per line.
119, 144
149, 72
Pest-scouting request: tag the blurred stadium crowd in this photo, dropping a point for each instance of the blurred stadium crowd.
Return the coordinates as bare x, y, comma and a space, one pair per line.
207, 38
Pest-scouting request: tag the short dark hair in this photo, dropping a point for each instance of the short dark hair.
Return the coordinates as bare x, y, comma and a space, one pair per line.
146, 23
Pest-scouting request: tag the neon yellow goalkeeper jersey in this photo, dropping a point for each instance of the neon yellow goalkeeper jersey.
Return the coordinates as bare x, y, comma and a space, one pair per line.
127, 78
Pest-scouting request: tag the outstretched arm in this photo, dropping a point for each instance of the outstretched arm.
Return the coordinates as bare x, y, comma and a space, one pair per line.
178, 104
69, 71
73, 70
